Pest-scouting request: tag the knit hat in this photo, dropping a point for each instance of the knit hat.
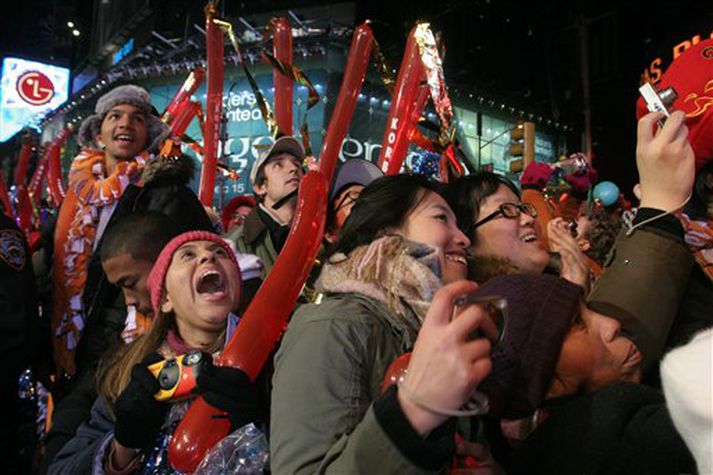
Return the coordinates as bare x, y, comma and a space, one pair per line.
287, 144
130, 94
691, 75
157, 277
539, 314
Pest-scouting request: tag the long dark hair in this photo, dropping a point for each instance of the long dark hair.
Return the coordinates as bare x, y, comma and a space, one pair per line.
466, 194
384, 204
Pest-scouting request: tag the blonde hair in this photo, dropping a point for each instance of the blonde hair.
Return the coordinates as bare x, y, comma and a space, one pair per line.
114, 372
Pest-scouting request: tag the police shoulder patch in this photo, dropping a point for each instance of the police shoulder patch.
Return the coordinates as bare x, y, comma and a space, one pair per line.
12, 249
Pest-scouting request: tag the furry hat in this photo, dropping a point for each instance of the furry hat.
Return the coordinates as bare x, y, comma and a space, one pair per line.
130, 94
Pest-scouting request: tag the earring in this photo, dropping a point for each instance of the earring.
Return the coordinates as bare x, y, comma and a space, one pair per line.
102, 146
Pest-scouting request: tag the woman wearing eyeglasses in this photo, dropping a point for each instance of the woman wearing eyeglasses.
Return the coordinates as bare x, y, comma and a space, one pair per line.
503, 233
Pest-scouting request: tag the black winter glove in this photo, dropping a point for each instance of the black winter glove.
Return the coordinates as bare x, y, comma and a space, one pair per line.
230, 390
139, 416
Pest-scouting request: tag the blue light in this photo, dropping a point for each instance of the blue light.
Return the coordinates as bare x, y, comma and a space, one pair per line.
121, 54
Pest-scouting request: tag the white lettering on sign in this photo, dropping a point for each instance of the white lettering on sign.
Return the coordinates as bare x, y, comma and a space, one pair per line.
241, 107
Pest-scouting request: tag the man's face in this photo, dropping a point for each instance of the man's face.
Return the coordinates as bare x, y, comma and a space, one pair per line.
130, 275
283, 173
239, 216
124, 132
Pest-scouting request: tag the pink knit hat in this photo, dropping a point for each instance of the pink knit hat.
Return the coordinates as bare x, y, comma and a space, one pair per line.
157, 277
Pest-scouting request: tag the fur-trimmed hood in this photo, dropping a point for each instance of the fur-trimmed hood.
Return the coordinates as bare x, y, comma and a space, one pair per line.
180, 169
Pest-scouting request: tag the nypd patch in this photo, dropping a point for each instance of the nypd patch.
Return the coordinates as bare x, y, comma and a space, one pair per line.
12, 249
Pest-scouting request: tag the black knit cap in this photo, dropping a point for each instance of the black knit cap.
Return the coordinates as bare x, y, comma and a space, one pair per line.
540, 312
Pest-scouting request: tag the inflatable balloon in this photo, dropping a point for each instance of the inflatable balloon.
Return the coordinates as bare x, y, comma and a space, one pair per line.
607, 192
213, 106
35, 186
354, 73
282, 50
183, 118
403, 114
183, 95
54, 167
23, 161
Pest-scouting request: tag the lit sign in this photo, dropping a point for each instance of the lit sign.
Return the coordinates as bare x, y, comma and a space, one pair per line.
29, 91
121, 54
654, 72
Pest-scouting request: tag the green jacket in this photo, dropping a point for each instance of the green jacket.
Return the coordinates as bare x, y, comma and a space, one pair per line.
328, 373
644, 279
252, 237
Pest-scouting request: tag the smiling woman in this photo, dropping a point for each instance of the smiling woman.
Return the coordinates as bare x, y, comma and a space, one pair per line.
391, 282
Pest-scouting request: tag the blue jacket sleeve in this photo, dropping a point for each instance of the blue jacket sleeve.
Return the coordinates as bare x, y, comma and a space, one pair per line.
84, 453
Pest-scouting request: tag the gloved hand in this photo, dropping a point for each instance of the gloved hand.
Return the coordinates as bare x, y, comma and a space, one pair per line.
230, 390
139, 416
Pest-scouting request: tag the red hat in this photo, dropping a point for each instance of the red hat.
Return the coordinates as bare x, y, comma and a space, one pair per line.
235, 203
691, 75
157, 278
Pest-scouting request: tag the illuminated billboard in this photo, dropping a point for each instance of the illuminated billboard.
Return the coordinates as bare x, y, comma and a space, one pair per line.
29, 91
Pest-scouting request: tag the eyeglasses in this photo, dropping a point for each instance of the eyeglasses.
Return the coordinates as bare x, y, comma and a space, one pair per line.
347, 199
509, 211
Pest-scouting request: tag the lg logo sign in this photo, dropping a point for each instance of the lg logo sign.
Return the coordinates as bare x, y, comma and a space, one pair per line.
35, 88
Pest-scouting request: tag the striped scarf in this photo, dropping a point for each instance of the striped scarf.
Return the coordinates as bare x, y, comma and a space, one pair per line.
90, 189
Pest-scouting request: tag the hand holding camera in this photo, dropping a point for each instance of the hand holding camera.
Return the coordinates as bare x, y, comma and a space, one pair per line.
139, 416
665, 161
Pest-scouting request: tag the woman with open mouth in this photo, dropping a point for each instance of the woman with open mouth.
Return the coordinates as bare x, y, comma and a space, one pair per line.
195, 288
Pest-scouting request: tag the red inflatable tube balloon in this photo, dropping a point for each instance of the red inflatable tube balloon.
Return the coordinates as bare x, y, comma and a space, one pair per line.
5, 198
183, 118
183, 95
214, 108
354, 73
25, 210
407, 95
261, 325
54, 175
35, 187
282, 51
396, 371
23, 162
54, 167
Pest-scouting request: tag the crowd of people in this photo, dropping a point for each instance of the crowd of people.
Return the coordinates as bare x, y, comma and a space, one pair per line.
597, 360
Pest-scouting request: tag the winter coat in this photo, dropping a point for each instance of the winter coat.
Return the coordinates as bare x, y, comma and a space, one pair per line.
328, 414
650, 284
253, 237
